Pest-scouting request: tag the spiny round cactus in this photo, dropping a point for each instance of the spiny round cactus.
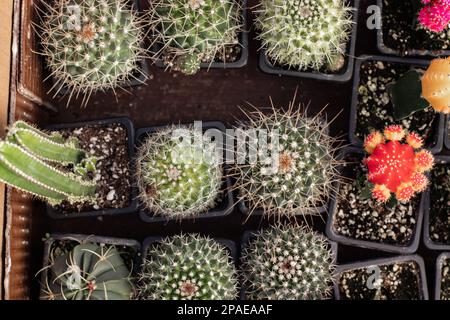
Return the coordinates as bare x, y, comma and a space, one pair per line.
436, 85
88, 272
287, 263
194, 31
188, 267
179, 179
91, 45
304, 33
296, 172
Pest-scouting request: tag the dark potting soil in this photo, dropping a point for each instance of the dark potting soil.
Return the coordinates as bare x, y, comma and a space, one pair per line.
374, 109
396, 281
359, 216
402, 32
445, 280
109, 144
440, 204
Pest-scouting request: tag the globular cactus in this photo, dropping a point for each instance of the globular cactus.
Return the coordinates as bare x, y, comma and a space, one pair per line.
287, 263
31, 161
394, 166
304, 33
91, 45
179, 179
88, 272
294, 173
435, 15
194, 31
436, 84
188, 267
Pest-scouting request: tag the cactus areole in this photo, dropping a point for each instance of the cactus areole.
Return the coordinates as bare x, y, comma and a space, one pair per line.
395, 167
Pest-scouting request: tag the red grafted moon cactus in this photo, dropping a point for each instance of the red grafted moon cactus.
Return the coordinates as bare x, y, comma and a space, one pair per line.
395, 166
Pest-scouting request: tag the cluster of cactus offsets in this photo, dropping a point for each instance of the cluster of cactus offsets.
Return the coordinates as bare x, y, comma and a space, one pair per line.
88, 272
188, 267
91, 45
394, 166
194, 31
305, 33
307, 166
436, 85
31, 161
287, 263
179, 179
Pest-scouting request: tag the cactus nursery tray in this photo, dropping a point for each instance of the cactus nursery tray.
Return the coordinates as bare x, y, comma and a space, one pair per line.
223, 96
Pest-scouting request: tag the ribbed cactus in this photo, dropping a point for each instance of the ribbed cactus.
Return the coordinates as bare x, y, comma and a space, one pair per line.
287, 263
436, 85
294, 173
32, 161
88, 272
178, 179
304, 33
194, 31
91, 45
188, 267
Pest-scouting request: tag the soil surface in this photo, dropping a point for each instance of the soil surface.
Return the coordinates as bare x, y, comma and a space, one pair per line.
445, 280
440, 204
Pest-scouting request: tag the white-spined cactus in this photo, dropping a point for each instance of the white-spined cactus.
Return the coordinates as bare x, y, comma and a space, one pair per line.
305, 34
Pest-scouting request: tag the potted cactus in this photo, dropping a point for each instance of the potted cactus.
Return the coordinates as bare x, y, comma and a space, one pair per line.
287, 263
79, 267
312, 39
442, 288
92, 45
193, 34
188, 267
414, 27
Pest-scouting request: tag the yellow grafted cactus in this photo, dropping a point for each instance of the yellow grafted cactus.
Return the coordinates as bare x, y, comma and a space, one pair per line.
436, 85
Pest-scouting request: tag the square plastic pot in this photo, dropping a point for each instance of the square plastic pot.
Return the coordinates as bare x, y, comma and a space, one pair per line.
260, 212
413, 52
333, 235
429, 243
439, 263
225, 206
385, 261
243, 41
438, 134
346, 73
81, 238
128, 125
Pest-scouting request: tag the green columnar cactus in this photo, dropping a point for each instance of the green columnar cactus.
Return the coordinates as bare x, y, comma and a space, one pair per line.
305, 33
188, 267
91, 45
88, 272
179, 179
193, 31
287, 263
295, 173
30, 161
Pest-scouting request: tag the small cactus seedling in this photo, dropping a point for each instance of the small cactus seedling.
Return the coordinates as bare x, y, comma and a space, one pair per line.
30, 161
436, 84
179, 179
188, 267
394, 166
305, 33
287, 263
91, 45
194, 31
88, 272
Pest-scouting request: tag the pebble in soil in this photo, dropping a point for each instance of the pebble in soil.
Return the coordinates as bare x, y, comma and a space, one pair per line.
445, 280
109, 144
396, 281
440, 204
374, 108
359, 216
402, 32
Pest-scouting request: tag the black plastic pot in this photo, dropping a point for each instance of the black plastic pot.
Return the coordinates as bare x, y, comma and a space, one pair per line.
346, 73
439, 263
128, 125
437, 144
225, 206
429, 243
385, 261
259, 212
243, 41
333, 235
413, 52
81, 238
447, 133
